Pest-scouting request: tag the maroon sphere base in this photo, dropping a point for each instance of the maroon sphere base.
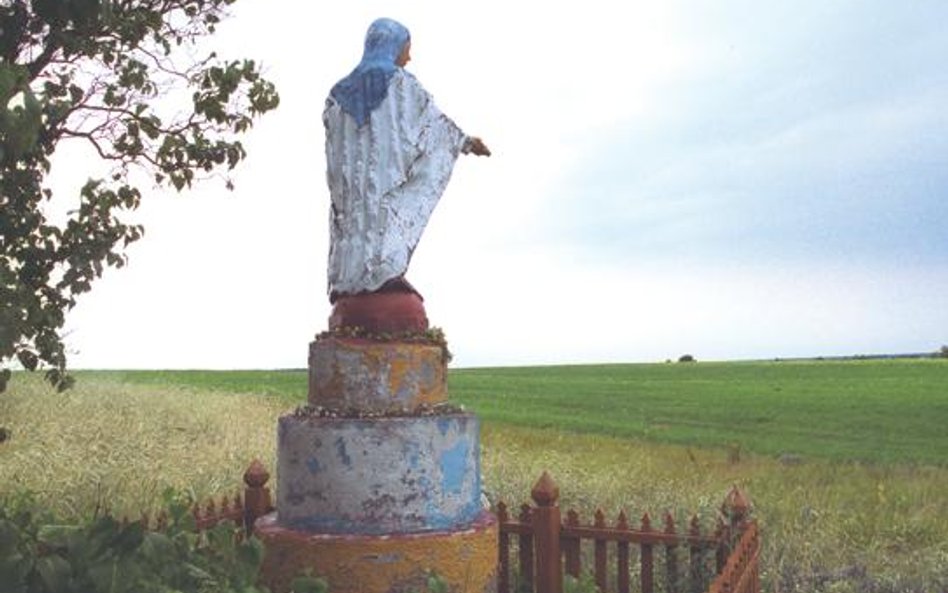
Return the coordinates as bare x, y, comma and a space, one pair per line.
380, 312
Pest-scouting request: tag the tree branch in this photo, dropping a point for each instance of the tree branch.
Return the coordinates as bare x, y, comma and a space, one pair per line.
39, 64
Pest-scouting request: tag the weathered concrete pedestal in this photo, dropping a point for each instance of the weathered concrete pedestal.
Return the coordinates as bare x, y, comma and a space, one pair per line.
379, 479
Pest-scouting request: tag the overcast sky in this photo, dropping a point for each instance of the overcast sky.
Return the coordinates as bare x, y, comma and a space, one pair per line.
731, 179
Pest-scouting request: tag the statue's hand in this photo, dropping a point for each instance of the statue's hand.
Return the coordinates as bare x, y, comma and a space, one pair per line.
476, 146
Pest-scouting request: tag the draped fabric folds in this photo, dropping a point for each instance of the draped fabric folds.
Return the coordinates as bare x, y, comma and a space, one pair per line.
385, 179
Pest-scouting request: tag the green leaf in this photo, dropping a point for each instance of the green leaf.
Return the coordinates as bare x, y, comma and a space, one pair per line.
56, 536
14, 569
308, 584
55, 572
129, 538
28, 359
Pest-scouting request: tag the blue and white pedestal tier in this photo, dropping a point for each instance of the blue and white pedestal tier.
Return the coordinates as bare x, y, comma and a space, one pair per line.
387, 475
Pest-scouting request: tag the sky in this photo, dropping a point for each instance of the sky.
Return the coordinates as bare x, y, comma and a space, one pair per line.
731, 179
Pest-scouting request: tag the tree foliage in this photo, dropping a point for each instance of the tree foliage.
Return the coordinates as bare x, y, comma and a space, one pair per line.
121, 76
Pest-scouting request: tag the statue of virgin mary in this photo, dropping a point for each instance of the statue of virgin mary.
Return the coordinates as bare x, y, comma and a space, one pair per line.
389, 156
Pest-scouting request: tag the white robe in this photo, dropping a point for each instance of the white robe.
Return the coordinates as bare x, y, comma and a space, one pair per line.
385, 178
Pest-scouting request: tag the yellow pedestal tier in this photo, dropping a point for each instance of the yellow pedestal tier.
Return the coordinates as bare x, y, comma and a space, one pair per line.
465, 560
353, 373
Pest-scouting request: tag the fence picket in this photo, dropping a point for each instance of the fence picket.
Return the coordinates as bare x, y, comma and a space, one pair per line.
671, 555
571, 545
503, 561
599, 552
646, 558
622, 556
695, 556
721, 552
525, 551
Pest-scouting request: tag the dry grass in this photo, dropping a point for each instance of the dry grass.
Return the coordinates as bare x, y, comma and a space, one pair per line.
104, 443
827, 526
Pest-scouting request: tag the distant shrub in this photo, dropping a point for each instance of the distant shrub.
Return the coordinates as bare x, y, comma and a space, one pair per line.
942, 353
687, 358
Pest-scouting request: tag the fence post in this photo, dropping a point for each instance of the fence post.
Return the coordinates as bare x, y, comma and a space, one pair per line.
256, 494
740, 573
546, 534
736, 508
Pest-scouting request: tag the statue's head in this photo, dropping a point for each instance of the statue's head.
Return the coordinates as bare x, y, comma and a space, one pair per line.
387, 42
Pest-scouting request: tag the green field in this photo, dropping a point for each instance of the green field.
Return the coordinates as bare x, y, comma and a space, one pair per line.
861, 505
872, 410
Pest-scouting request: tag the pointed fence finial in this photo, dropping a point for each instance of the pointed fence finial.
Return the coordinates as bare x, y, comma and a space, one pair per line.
256, 475
545, 492
736, 506
669, 522
646, 522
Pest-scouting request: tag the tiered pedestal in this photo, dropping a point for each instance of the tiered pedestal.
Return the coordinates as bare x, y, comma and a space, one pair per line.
378, 480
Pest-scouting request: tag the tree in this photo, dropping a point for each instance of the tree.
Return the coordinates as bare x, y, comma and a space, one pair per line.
109, 73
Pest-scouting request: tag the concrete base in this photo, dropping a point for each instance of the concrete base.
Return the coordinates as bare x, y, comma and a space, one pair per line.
466, 560
375, 375
395, 475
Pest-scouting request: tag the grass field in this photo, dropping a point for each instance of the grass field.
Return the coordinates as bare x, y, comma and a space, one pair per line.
633, 437
872, 410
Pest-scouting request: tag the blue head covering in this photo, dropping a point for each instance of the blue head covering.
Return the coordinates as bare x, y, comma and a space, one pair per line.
365, 88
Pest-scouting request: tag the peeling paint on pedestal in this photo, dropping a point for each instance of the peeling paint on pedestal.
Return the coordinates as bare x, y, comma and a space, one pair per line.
373, 504
380, 475
375, 375
454, 467
465, 559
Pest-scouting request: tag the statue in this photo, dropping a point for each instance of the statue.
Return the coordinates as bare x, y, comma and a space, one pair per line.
379, 456
389, 155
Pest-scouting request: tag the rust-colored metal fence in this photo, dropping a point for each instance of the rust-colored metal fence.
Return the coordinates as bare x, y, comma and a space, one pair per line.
741, 574
542, 547
243, 510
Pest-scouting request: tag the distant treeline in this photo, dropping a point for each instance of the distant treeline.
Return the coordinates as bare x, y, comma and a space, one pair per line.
943, 353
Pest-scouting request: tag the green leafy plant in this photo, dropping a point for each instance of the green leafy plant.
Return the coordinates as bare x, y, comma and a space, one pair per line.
309, 584
436, 584
40, 555
586, 583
